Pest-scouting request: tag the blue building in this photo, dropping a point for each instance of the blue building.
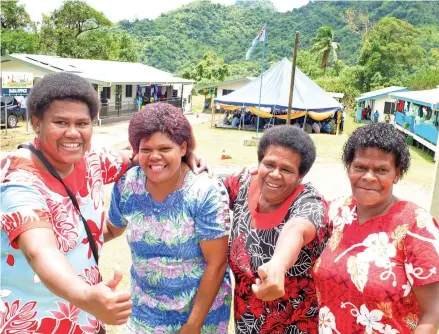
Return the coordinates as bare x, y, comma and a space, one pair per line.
417, 115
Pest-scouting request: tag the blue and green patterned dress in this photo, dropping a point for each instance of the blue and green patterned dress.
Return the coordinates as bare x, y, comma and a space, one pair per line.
167, 260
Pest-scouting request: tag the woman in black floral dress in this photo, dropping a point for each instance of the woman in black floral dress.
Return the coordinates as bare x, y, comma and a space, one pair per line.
263, 205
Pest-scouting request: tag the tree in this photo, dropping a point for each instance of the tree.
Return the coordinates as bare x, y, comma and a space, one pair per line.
358, 23
209, 69
14, 16
307, 64
19, 41
60, 31
324, 46
18, 31
390, 52
264, 4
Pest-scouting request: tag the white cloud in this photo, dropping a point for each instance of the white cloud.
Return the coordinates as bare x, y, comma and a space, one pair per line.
117, 10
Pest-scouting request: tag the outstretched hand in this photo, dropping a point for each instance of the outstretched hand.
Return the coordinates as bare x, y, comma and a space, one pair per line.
105, 303
271, 282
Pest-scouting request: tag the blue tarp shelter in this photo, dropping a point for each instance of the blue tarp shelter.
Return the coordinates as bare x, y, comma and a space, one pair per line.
308, 96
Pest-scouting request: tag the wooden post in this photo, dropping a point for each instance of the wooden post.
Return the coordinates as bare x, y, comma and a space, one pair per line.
434, 207
182, 88
293, 73
212, 104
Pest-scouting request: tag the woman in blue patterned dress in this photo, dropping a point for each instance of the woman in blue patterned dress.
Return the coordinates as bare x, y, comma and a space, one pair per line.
177, 229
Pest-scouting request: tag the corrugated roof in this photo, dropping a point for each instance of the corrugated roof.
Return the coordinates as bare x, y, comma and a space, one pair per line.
103, 71
429, 98
379, 93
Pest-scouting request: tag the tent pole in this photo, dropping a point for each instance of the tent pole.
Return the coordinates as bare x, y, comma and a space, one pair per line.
304, 120
293, 74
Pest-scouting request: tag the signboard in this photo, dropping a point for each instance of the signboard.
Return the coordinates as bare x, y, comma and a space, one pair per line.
17, 83
15, 91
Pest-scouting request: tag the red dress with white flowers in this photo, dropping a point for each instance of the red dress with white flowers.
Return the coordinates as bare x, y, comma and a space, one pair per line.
32, 198
252, 243
364, 277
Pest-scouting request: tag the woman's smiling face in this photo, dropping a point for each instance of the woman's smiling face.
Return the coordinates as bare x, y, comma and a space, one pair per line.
278, 174
160, 157
372, 174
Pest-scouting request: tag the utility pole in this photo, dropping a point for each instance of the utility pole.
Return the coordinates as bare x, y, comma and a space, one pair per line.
293, 74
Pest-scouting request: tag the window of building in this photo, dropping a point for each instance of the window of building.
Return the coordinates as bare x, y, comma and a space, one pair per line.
129, 91
106, 93
227, 91
189, 99
389, 108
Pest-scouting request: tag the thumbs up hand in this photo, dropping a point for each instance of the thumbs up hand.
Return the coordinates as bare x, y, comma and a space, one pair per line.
105, 303
112, 283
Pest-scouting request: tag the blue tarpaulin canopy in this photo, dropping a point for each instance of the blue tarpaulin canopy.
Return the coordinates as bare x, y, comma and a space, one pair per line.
308, 96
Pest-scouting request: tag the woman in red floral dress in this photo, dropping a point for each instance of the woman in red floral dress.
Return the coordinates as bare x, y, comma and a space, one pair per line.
50, 279
380, 270
263, 205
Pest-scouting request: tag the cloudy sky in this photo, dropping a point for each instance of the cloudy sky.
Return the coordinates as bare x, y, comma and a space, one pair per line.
117, 10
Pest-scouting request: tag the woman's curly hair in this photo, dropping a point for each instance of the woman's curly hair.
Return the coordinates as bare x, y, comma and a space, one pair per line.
292, 138
164, 118
62, 86
378, 135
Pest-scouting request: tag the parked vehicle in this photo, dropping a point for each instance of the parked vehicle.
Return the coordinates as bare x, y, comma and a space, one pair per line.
14, 111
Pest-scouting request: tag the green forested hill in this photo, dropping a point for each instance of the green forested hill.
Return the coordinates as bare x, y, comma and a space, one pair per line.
181, 37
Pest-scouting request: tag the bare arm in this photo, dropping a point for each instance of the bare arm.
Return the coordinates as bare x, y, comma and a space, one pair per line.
56, 273
215, 255
111, 232
295, 234
428, 299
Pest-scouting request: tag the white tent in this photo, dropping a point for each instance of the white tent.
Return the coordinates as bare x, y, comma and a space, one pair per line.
308, 96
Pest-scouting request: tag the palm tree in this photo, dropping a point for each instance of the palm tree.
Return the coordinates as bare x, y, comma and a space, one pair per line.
324, 46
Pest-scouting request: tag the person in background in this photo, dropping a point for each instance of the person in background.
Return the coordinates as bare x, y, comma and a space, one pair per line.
264, 205
176, 225
326, 127
316, 127
379, 270
139, 101
236, 119
226, 118
50, 280
376, 116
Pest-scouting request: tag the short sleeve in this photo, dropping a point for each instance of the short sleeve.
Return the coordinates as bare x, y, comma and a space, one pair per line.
212, 217
422, 249
23, 208
115, 214
113, 165
311, 206
232, 185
